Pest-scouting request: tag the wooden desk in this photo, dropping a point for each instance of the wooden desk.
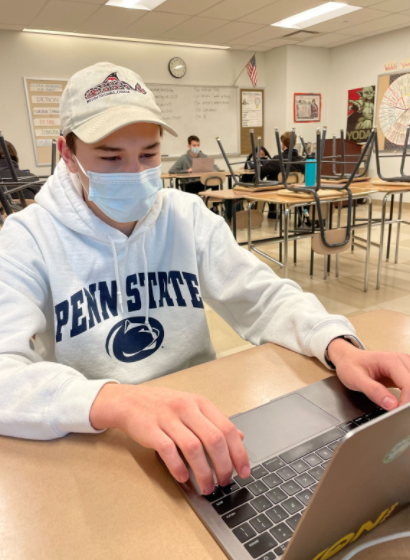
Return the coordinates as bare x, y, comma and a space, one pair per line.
103, 497
289, 203
179, 176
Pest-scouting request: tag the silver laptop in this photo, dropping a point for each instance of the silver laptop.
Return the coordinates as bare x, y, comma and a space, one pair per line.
327, 466
202, 165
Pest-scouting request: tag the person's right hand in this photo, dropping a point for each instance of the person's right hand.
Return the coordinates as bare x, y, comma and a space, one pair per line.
166, 420
189, 170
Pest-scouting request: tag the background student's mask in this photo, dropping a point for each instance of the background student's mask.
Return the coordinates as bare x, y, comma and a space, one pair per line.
124, 197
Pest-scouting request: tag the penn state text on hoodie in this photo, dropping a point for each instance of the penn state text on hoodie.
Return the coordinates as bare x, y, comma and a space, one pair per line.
104, 306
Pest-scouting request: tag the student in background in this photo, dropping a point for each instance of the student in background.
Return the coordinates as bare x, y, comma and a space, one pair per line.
184, 163
31, 191
248, 178
271, 168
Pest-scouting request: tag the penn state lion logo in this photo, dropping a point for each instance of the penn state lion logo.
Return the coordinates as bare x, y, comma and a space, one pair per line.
131, 340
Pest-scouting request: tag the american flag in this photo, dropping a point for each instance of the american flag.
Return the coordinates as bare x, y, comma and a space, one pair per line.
251, 68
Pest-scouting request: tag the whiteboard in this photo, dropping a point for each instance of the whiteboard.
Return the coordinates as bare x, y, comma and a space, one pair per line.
206, 112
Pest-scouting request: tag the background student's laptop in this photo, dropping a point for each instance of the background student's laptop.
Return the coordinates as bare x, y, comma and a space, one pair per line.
202, 165
290, 442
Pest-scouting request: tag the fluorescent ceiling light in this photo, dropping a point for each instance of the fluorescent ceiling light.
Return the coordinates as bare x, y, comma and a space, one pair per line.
131, 39
135, 4
321, 13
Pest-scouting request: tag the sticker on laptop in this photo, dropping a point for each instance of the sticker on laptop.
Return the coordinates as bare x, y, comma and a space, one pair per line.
397, 450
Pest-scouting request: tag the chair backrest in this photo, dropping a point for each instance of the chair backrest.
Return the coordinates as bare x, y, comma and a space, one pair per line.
242, 219
214, 179
294, 177
333, 236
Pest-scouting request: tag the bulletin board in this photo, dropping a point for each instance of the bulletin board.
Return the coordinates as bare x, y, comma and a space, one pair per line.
43, 103
392, 110
252, 117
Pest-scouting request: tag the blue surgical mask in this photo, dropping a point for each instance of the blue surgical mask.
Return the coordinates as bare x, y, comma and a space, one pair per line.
124, 197
195, 150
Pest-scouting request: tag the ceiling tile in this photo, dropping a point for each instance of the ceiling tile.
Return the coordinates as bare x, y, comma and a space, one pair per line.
405, 23
61, 16
109, 20
258, 49
234, 9
279, 10
342, 23
361, 3
11, 27
237, 47
230, 31
379, 25
278, 43
406, 13
101, 2
265, 34
193, 28
19, 12
324, 40
152, 25
345, 41
393, 5
188, 7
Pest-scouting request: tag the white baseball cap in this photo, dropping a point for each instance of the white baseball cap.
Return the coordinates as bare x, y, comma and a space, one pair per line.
103, 98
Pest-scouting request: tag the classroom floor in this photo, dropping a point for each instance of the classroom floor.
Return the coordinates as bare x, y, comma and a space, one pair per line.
343, 295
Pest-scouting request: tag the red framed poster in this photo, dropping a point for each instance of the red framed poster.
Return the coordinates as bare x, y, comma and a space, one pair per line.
307, 107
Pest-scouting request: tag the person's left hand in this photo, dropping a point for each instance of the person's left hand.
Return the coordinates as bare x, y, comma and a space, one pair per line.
371, 372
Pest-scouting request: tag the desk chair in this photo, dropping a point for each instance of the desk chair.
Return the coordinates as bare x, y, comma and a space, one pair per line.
213, 181
14, 186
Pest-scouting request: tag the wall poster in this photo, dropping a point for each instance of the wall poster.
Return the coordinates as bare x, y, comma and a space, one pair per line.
43, 103
307, 107
360, 111
252, 109
393, 104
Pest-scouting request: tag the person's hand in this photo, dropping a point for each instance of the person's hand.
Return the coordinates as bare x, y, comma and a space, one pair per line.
371, 372
166, 420
189, 170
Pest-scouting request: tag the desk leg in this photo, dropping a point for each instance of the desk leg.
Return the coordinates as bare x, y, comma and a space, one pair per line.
295, 248
285, 243
390, 227
312, 253
330, 212
233, 214
354, 222
369, 244
249, 226
339, 217
280, 231
382, 222
396, 258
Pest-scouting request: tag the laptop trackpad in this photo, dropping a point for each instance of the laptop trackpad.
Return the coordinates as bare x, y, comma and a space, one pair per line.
280, 424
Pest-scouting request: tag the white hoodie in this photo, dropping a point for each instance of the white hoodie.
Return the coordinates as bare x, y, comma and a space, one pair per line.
104, 306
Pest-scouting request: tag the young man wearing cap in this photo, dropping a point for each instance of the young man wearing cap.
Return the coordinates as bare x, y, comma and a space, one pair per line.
111, 277
184, 163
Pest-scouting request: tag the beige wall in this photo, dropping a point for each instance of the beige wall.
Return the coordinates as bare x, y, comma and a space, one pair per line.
53, 56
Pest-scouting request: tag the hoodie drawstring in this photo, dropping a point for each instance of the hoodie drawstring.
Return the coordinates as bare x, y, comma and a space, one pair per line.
117, 273
146, 283
146, 314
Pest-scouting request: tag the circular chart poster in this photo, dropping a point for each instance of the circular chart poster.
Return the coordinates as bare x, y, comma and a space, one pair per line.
393, 110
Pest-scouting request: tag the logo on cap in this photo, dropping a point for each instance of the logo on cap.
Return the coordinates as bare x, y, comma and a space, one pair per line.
110, 86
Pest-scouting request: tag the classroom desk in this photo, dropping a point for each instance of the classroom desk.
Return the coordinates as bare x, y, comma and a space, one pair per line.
389, 192
291, 203
89, 497
179, 176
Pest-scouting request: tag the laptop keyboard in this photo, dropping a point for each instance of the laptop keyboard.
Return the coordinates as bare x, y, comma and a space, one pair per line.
264, 509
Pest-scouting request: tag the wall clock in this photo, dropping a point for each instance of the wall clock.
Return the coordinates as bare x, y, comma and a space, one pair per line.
177, 67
